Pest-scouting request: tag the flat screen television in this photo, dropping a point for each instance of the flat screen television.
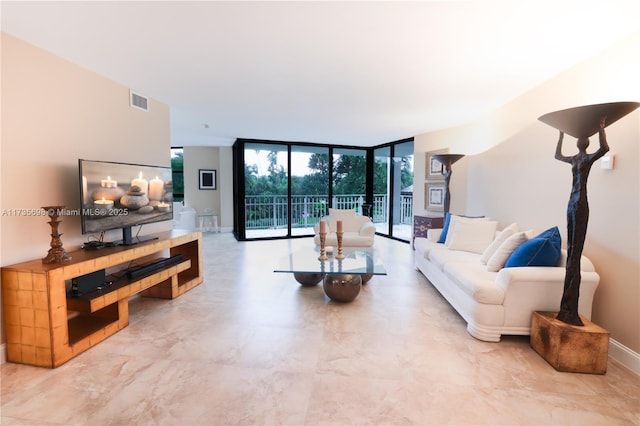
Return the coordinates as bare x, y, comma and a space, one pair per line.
122, 195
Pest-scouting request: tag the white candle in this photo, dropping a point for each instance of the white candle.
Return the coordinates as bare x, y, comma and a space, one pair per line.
108, 183
323, 227
339, 226
85, 191
163, 207
141, 183
156, 187
103, 206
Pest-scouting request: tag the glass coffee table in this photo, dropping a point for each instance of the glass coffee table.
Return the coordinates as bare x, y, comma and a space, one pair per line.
342, 279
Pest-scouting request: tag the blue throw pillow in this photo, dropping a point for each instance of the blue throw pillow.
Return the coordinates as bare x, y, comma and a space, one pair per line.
541, 250
445, 228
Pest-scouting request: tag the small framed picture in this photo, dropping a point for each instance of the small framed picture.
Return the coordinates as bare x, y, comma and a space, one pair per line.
434, 196
433, 167
207, 179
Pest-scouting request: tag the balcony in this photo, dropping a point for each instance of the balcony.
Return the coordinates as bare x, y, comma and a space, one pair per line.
266, 215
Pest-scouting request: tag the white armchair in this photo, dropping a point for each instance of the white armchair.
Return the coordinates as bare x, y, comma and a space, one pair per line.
359, 231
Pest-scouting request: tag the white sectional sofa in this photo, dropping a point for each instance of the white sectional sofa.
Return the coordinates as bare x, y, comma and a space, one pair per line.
493, 299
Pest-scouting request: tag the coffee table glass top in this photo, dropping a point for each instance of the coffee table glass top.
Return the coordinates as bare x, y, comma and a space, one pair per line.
357, 261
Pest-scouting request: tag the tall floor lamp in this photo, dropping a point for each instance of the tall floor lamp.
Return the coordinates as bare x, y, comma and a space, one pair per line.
447, 161
581, 123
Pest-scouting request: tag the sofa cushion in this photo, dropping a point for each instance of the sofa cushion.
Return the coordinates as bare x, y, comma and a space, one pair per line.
502, 254
441, 257
472, 236
423, 246
541, 250
476, 281
497, 242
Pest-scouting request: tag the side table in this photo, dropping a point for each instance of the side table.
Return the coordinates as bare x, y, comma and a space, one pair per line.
208, 222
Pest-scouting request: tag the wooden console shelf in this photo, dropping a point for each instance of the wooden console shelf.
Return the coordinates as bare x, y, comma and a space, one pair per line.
46, 327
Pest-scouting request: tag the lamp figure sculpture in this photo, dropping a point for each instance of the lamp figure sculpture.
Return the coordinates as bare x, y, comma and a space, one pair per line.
581, 123
447, 161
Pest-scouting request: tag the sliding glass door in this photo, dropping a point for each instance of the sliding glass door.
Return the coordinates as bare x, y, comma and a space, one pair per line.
381, 189
349, 178
402, 213
309, 187
266, 196
393, 190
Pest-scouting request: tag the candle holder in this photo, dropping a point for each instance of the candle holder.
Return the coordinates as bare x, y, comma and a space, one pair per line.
56, 253
323, 238
339, 256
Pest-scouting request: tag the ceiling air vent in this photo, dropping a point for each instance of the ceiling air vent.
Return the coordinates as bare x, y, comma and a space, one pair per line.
136, 100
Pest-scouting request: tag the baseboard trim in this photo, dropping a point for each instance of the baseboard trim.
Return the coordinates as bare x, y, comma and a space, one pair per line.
624, 356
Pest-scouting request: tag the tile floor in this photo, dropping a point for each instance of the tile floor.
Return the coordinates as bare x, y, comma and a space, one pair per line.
252, 347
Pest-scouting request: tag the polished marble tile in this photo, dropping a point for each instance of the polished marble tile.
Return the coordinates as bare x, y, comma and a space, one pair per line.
253, 347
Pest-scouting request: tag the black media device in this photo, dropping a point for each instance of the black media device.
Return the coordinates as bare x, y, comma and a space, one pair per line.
88, 283
154, 265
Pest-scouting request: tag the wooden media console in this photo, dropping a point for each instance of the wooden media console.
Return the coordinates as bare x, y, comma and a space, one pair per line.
46, 325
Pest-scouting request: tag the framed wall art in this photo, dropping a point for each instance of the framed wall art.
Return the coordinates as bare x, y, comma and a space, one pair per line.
434, 196
433, 168
207, 179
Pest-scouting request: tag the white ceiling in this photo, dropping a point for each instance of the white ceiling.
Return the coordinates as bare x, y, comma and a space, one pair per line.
355, 73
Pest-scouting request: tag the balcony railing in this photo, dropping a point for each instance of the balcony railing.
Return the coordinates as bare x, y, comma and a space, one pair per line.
270, 211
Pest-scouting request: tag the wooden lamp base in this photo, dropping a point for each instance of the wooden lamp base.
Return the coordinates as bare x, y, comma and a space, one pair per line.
568, 347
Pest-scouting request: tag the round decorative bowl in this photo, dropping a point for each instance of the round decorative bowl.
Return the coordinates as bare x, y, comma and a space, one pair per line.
342, 287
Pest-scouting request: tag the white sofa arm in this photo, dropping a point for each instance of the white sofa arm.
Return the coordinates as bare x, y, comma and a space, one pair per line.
537, 288
368, 229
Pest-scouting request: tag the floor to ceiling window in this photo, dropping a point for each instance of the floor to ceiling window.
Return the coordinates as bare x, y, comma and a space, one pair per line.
282, 189
393, 189
309, 187
381, 190
177, 173
349, 178
402, 212
266, 194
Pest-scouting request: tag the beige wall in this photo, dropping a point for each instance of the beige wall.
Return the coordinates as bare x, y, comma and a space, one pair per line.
517, 179
54, 112
226, 188
196, 158
220, 199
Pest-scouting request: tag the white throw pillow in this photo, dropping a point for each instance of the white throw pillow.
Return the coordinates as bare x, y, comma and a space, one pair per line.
503, 252
462, 219
501, 238
472, 236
